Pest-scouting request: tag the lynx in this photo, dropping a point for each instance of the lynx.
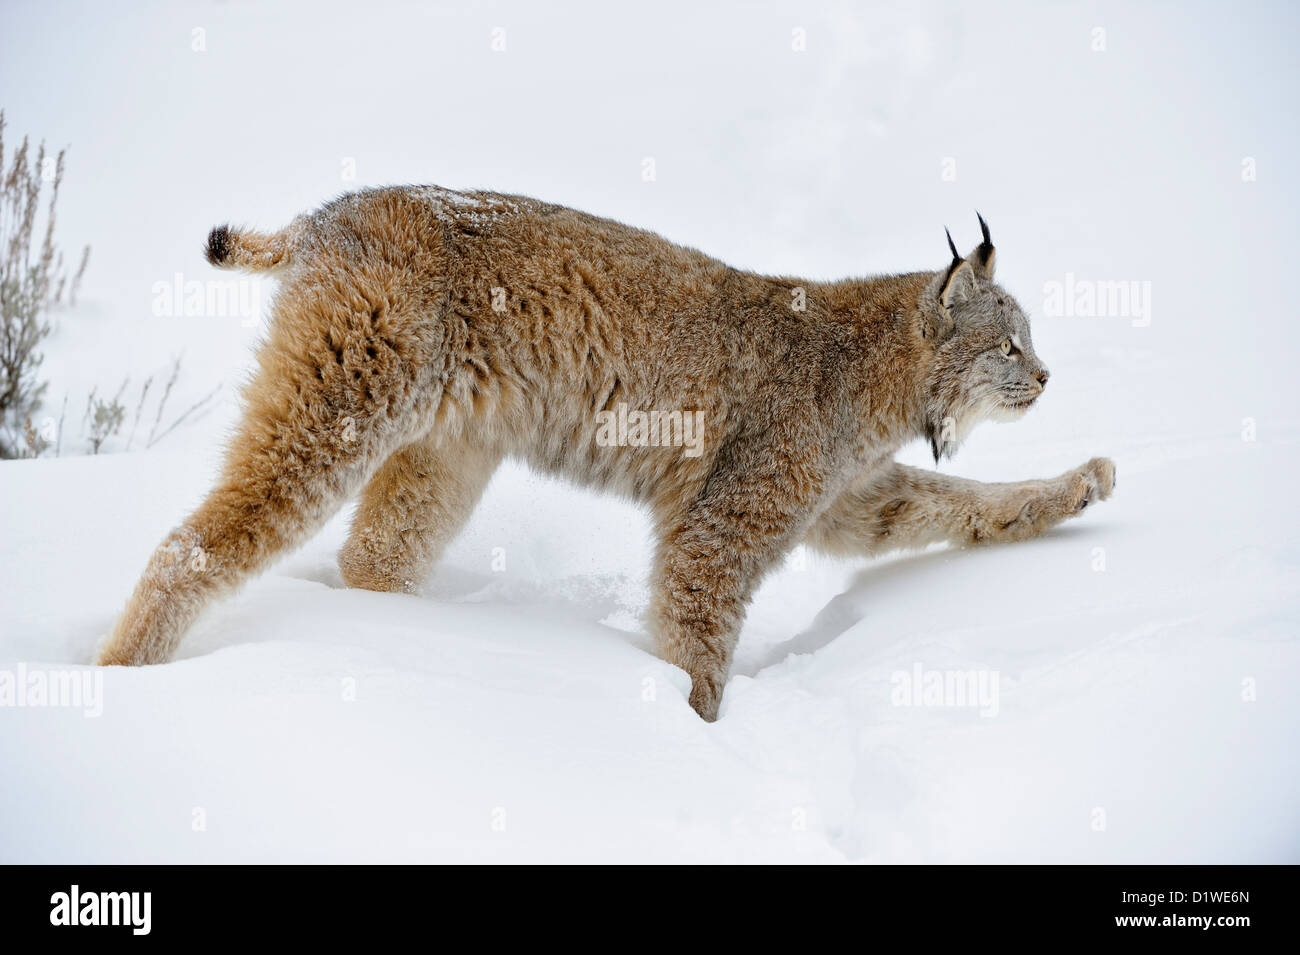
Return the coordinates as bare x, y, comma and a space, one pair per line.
421, 335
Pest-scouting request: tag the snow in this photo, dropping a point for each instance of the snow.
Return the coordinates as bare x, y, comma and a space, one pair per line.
512, 709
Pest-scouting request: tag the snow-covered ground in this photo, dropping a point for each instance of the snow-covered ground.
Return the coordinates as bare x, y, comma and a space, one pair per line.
1138, 664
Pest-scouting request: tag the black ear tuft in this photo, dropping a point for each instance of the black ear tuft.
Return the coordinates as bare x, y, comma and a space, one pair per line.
956, 261
984, 254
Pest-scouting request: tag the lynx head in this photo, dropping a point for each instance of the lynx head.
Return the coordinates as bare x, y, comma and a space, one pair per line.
984, 366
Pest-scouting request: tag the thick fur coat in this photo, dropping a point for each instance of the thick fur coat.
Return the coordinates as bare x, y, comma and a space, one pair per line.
420, 335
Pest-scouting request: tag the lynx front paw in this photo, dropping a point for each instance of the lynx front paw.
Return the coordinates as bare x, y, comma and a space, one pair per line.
705, 698
1091, 483
707, 681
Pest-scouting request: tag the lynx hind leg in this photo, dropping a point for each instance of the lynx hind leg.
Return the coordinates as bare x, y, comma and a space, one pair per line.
321, 414
273, 495
411, 509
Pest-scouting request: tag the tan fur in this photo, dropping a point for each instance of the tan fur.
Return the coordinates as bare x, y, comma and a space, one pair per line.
421, 335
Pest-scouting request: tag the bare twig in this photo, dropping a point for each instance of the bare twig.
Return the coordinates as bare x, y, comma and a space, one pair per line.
162, 402
33, 279
144, 393
184, 415
58, 438
90, 403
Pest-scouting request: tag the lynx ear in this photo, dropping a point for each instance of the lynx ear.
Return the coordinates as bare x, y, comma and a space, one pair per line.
983, 256
949, 288
960, 286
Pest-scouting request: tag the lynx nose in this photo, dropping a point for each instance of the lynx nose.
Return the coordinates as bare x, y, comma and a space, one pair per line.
1042, 377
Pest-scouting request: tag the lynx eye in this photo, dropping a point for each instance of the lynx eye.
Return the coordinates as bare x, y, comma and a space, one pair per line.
1006, 346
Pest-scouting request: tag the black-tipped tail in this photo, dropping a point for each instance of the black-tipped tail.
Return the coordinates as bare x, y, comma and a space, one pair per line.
229, 248
218, 247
